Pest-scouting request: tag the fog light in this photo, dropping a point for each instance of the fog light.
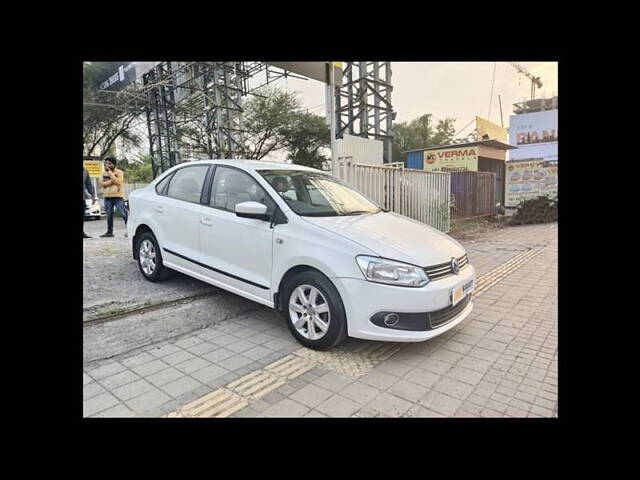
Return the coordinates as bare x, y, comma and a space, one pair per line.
390, 319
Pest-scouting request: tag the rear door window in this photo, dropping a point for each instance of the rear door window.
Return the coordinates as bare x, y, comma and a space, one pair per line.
186, 183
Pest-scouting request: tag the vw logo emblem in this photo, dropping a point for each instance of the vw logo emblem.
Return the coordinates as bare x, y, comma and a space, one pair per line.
455, 268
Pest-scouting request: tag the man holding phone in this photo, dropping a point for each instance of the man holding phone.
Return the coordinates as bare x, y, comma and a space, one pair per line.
113, 189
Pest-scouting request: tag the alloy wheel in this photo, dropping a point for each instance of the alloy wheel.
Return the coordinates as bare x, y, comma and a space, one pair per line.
309, 312
147, 256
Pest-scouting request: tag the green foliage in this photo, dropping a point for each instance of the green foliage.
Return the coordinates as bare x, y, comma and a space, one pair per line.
137, 171
421, 133
102, 123
303, 138
266, 117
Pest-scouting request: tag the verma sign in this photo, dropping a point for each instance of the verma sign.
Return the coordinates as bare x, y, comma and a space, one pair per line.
461, 159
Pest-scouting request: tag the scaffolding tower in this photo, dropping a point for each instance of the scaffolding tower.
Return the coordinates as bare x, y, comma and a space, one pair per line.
195, 109
363, 104
200, 97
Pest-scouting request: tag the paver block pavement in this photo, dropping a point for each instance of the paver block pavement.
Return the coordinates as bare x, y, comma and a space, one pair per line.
338, 406
178, 357
218, 355
106, 370
119, 411
389, 405
131, 390
235, 362
150, 368
311, 395
180, 386
379, 380
165, 376
192, 365
360, 392
441, 403
119, 379
202, 348
207, 374
91, 390
148, 401
98, 403
333, 381
454, 388
286, 408
139, 359
422, 377
408, 390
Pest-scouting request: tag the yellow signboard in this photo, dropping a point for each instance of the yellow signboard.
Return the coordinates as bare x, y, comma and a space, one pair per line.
94, 167
486, 130
455, 159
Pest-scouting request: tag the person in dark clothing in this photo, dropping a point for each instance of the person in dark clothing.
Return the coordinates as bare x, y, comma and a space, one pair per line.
88, 186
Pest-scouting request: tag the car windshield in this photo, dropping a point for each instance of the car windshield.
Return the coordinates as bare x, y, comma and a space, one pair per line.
314, 194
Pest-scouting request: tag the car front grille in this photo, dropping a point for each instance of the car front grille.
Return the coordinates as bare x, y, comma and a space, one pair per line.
443, 270
440, 317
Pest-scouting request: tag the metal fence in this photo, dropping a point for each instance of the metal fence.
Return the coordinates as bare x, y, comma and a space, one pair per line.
473, 194
423, 196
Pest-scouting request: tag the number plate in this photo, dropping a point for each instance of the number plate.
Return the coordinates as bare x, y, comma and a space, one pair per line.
460, 292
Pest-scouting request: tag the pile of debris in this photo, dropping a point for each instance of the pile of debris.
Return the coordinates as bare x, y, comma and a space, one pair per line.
537, 210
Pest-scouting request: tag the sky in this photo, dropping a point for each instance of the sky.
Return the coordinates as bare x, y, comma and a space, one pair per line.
460, 90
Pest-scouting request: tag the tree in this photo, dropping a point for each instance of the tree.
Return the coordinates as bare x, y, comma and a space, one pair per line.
420, 133
266, 117
103, 122
303, 138
137, 171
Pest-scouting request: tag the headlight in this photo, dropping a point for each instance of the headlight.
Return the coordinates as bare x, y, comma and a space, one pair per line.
381, 270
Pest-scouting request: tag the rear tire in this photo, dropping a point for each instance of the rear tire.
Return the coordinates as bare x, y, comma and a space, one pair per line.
150, 258
313, 310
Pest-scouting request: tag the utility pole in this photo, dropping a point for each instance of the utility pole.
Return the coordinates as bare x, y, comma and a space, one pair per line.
500, 103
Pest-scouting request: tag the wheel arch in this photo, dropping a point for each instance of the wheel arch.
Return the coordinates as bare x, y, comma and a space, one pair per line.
278, 301
142, 228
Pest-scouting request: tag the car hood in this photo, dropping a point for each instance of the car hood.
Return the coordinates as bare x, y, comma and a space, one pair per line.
394, 236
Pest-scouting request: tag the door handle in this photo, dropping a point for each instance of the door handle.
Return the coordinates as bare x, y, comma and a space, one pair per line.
158, 209
206, 221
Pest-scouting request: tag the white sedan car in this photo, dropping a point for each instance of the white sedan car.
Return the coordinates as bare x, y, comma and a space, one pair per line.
302, 242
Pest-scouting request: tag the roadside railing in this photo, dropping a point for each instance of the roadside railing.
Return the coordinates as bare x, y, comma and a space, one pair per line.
417, 194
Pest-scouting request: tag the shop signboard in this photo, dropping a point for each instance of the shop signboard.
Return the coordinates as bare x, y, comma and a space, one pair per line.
530, 178
486, 130
456, 159
535, 135
94, 167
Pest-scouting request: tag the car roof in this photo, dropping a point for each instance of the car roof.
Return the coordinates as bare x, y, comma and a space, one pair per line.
254, 165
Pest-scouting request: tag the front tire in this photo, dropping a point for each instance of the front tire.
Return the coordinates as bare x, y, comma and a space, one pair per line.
314, 311
150, 258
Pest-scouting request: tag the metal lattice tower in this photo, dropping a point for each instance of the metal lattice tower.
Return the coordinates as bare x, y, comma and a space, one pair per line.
203, 96
160, 112
225, 84
363, 104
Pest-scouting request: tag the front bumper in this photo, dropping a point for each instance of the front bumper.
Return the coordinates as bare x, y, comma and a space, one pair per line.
362, 300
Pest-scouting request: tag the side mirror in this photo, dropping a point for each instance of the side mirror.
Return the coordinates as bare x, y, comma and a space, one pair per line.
252, 210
